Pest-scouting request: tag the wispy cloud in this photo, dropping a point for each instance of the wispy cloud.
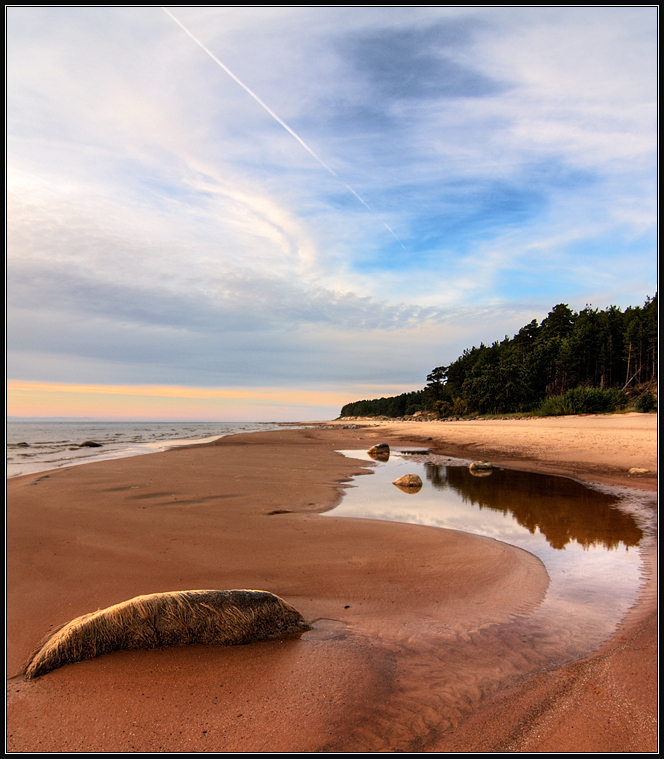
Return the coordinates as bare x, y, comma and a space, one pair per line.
325, 194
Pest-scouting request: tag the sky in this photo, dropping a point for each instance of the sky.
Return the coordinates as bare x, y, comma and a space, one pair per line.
260, 214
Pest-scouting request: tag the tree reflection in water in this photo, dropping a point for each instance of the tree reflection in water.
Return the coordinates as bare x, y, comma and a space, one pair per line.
560, 508
588, 539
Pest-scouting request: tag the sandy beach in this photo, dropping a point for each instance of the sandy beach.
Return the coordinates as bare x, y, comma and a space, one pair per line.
395, 608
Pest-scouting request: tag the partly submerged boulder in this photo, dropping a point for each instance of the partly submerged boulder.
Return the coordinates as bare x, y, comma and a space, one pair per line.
409, 483
90, 444
481, 468
379, 448
380, 452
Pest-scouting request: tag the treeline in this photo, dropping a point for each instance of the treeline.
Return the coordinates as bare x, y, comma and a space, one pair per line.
405, 404
590, 361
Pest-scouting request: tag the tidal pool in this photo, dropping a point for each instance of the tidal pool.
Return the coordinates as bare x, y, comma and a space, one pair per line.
587, 538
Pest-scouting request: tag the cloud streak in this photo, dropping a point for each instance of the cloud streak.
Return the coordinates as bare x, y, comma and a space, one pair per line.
161, 230
256, 98
276, 118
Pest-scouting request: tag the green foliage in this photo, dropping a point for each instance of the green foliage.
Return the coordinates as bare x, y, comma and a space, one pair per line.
397, 406
571, 363
646, 402
583, 400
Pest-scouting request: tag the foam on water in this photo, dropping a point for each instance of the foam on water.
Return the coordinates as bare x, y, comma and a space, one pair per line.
36, 446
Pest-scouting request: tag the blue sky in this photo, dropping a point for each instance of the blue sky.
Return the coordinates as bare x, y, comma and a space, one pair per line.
449, 175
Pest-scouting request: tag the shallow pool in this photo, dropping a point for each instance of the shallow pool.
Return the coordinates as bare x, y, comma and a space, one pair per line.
587, 538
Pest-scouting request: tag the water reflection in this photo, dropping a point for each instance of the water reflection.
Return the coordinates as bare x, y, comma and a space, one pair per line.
409, 483
380, 456
586, 540
563, 510
380, 452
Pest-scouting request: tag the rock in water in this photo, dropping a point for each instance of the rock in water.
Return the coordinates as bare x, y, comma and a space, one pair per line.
480, 468
379, 448
90, 444
409, 483
180, 618
380, 452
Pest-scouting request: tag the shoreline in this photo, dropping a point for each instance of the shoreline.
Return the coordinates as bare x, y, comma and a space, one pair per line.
606, 701
271, 486
581, 446
50, 452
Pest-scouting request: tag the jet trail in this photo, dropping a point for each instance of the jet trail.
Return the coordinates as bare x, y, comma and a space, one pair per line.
255, 97
393, 235
271, 112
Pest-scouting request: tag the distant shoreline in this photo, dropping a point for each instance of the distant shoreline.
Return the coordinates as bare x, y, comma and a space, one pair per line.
48, 445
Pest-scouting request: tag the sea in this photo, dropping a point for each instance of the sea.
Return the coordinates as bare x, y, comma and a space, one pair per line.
37, 446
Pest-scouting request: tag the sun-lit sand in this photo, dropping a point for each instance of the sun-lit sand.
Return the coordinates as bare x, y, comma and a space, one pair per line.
595, 448
394, 608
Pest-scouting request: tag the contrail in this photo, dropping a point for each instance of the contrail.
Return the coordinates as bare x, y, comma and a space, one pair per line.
271, 112
393, 235
256, 98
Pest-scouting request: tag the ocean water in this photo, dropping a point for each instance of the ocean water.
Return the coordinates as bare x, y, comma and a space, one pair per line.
36, 446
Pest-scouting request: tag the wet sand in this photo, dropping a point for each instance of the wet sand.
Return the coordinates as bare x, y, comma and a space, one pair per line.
405, 653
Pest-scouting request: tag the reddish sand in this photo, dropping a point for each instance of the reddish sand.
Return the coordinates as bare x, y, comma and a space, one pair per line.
396, 609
